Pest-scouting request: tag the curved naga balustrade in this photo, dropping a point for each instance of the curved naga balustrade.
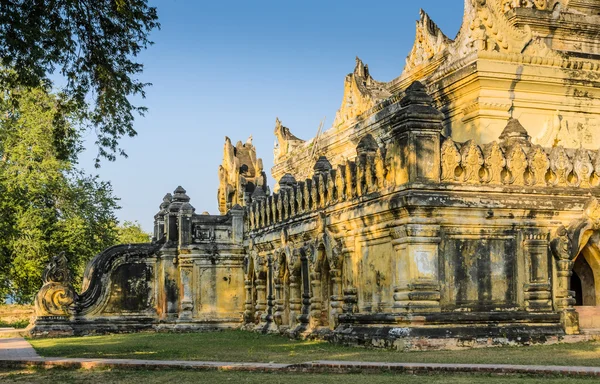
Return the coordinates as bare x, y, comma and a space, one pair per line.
58, 298
97, 272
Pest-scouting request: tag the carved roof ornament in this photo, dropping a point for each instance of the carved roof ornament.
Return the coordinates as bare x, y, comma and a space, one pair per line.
514, 134
287, 181
241, 175
166, 201
164, 207
179, 199
367, 146
429, 41
180, 195
361, 93
286, 142
486, 28
57, 270
322, 165
508, 5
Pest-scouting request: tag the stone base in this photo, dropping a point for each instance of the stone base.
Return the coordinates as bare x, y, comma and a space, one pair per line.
54, 326
570, 321
447, 330
266, 327
76, 327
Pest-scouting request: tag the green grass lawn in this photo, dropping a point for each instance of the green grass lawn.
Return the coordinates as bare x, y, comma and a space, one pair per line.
234, 346
186, 376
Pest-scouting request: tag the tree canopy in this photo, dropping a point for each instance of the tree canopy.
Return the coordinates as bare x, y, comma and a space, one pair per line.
93, 45
48, 206
132, 233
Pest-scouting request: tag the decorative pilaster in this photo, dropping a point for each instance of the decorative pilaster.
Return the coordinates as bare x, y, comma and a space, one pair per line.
537, 289
267, 319
262, 275
417, 288
295, 300
279, 308
304, 316
337, 299
349, 290
316, 302
169, 277
237, 224
261, 298
186, 273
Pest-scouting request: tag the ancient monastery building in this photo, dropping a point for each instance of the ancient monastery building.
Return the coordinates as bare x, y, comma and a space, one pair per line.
456, 205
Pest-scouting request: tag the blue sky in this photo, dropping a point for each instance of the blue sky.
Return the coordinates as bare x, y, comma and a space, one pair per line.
229, 68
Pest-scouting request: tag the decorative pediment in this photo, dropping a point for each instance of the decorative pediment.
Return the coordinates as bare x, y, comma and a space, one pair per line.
429, 41
486, 28
361, 93
240, 175
286, 141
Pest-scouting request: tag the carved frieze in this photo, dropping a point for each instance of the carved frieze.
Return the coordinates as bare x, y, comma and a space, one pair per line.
451, 159
539, 165
583, 168
561, 166
494, 164
472, 162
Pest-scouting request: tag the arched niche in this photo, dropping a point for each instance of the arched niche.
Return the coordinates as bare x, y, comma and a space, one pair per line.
585, 282
587, 268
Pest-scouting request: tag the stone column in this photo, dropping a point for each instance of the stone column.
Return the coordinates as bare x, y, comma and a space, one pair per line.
278, 314
565, 298
271, 326
304, 317
261, 298
248, 307
266, 318
417, 287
